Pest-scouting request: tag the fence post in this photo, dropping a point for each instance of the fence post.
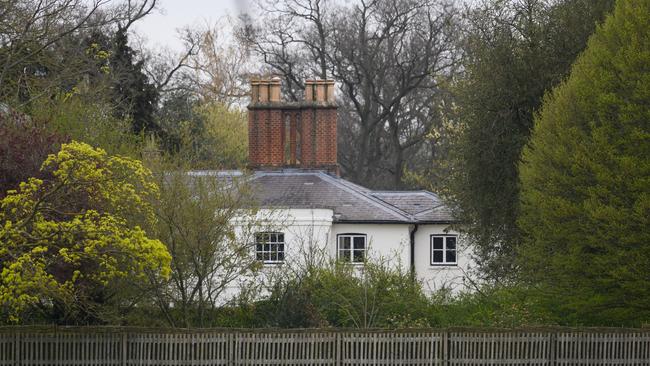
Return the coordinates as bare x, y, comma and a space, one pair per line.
124, 349
17, 349
552, 360
337, 343
445, 347
231, 348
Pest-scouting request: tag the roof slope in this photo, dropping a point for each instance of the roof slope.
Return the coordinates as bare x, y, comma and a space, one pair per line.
350, 202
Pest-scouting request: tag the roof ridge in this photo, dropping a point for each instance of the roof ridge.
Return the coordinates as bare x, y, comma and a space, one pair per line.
417, 191
375, 200
397, 208
384, 191
289, 171
351, 185
429, 209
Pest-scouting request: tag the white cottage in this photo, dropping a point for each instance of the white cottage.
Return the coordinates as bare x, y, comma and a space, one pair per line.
292, 154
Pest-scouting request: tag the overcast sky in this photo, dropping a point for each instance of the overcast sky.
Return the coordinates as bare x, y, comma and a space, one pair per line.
159, 28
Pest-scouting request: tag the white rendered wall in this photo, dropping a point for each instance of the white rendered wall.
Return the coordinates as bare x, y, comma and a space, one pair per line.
388, 242
310, 235
436, 277
306, 236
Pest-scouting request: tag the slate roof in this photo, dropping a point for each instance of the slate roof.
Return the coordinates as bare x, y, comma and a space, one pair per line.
350, 202
295, 188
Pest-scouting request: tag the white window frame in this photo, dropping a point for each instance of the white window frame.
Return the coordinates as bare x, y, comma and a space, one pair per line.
274, 246
443, 250
351, 250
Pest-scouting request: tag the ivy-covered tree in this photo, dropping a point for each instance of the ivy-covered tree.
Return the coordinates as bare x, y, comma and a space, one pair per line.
515, 51
72, 244
585, 180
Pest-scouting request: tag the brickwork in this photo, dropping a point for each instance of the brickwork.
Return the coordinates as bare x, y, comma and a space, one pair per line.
275, 137
307, 132
293, 138
313, 119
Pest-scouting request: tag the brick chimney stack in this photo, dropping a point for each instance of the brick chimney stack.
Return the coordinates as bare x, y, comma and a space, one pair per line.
292, 134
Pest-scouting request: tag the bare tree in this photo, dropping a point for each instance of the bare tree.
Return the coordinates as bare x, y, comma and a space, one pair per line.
392, 59
212, 68
33, 34
205, 221
163, 66
220, 69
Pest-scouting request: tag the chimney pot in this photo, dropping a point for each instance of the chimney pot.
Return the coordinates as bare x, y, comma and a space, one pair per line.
309, 90
264, 91
330, 90
320, 91
274, 93
255, 90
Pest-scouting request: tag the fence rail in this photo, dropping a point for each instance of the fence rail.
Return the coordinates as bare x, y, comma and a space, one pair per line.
130, 347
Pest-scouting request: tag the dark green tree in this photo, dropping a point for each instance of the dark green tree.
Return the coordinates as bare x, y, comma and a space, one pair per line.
514, 52
585, 180
134, 95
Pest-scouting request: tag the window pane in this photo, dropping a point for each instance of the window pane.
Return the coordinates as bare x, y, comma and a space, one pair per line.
451, 256
274, 238
260, 256
281, 256
267, 247
359, 242
273, 256
267, 256
281, 247
437, 242
451, 242
258, 247
344, 255
437, 256
259, 237
281, 237
344, 242
358, 256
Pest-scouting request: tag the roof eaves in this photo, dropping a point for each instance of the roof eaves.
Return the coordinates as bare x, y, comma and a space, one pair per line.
396, 222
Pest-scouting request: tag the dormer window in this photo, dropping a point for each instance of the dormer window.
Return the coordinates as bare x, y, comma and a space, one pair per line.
269, 247
352, 248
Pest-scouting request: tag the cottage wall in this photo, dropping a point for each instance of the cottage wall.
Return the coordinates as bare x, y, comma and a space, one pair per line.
436, 277
311, 235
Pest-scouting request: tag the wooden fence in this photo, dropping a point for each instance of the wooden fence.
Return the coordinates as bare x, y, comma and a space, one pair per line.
121, 347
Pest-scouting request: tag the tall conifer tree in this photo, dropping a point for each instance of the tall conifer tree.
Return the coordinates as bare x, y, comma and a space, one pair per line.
585, 180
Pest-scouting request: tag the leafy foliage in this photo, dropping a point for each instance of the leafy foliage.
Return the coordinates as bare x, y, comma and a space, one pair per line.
226, 135
205, 135
341, 295
586, 180
490, 306
514, 52
88, 118
69, 242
